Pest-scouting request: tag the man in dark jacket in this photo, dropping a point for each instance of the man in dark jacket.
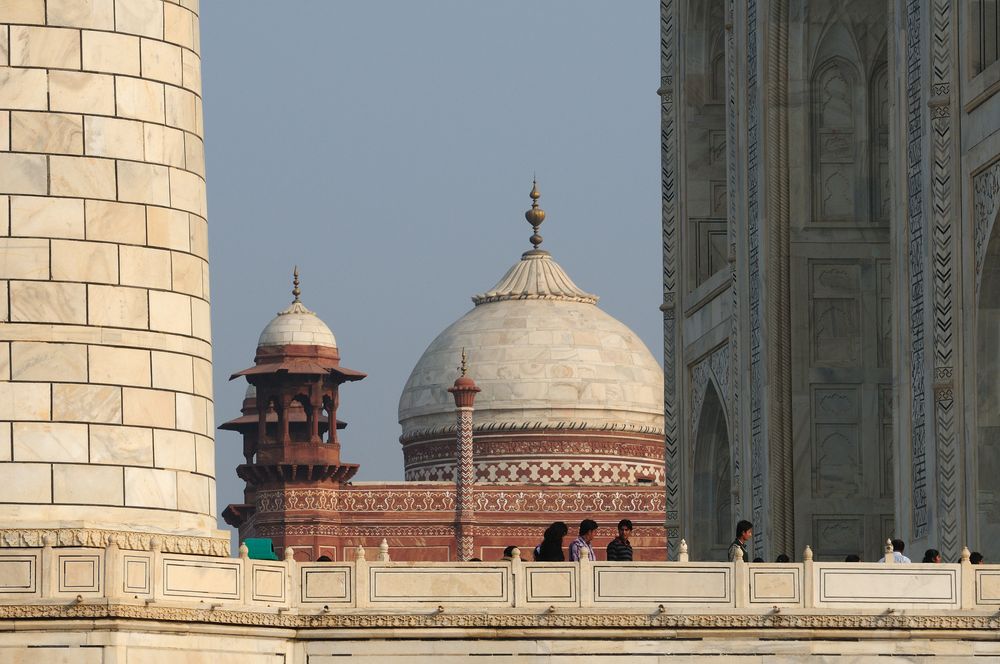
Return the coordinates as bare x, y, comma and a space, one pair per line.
620, 548
744, 531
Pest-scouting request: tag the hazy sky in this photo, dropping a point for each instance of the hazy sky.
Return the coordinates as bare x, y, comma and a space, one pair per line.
387, 148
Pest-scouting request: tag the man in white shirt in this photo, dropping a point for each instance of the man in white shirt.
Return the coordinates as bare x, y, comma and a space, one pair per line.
897, 552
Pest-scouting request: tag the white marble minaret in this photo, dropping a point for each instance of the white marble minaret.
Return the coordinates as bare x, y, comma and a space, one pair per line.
105, 355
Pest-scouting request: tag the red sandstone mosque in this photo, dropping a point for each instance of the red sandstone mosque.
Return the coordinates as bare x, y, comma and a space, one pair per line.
535, 406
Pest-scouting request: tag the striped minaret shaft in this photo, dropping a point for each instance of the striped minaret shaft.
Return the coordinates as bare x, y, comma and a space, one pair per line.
464, 391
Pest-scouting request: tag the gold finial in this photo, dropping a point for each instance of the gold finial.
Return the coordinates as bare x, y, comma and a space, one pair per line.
295, 284
535, 215
464, 366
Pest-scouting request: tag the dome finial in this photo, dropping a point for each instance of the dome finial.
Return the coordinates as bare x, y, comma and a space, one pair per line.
296, 291
535, 215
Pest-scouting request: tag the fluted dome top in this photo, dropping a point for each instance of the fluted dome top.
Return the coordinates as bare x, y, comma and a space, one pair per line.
544, 355
535, 277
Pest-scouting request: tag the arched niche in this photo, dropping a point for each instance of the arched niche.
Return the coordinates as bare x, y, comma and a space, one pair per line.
704, 138
711, 510
988, 397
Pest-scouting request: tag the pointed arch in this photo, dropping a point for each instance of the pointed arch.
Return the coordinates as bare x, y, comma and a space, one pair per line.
880, 179
988, 396
712, 514
839, 143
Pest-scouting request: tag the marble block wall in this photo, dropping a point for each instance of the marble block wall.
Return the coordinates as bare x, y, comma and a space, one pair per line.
105, 355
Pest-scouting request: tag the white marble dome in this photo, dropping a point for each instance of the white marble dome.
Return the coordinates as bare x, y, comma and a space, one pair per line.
544, 355
297, 325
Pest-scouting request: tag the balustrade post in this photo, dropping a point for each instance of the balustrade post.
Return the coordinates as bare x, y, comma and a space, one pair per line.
48, 567
247, 566
156, 567
360, 578
586, 570
292, 589
889, 557
113, 569
741, 581
517, 578
808, 585
968, 581
682, 555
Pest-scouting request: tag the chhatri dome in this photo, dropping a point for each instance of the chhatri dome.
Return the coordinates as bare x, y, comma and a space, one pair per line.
296, 325
569, 393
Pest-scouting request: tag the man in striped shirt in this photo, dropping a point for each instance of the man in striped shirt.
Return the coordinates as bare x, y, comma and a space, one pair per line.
588, 528
620, 548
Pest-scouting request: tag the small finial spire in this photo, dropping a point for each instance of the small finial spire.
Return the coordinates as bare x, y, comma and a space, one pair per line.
464, 366
535, 215
295, 284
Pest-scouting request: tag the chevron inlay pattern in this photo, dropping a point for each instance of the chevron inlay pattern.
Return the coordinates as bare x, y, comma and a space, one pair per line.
942, 214
732, 226
669, 167
915, 215
757, 435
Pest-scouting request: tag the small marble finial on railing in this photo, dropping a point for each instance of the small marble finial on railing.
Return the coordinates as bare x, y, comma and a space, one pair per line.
244, 551
739, 555
515, 555
359, 554
289, 554
155, 544
584, 554
383, 551
966, 554
807, 554
49, 540
682, 555
890, 557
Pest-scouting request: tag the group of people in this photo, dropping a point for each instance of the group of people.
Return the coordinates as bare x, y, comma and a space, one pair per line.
620, 548
930, 555
744, 531
551, 548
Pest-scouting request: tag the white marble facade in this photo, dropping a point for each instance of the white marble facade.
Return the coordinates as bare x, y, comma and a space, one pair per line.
831, 177
106, 417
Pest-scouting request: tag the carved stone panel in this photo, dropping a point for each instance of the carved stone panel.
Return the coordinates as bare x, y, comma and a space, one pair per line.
884, 314
835, 141
708, 250
837, 536
881, 175
836, 441
885, 443
835, 300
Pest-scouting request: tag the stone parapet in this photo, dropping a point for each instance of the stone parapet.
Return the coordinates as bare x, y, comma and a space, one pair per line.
88, 581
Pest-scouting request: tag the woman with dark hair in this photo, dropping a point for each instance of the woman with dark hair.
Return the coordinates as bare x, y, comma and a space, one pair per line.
931, 556
551, 548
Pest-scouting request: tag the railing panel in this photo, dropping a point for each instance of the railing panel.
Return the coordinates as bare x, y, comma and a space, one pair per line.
327, 583
776, 584
200, 577
19, 575
904, 586
461, 583
663, 583
554, 584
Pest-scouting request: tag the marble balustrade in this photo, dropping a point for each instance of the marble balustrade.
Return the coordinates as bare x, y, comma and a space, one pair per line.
111, 575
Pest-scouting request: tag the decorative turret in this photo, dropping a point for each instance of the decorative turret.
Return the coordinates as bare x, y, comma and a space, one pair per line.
464, 390
289, 423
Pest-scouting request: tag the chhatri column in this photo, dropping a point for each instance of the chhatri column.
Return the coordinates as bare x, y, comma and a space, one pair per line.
106, 422
464, 391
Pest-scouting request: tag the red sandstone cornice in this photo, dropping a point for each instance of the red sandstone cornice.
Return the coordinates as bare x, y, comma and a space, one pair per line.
260, 475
